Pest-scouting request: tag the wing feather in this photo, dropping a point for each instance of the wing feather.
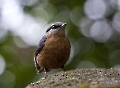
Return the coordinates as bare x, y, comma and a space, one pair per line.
39, 48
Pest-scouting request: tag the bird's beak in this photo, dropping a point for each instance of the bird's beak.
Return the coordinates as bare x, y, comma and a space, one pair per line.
64, 25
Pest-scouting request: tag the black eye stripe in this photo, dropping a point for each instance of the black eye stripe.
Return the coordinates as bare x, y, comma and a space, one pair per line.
48, 29
53, 27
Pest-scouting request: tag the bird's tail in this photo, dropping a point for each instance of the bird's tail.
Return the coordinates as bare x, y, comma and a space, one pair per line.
38, 68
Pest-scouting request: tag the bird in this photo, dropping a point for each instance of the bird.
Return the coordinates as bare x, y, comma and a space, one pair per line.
53, 50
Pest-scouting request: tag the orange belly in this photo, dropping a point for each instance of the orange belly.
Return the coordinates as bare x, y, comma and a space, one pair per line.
55, 52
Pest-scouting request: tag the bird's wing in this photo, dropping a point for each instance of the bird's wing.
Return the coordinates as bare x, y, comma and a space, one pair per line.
39, 48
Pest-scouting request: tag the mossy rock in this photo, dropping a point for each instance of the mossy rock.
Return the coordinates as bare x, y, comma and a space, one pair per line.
81, 78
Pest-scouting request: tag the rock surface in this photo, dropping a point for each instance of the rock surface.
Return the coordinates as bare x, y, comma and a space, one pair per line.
81, 78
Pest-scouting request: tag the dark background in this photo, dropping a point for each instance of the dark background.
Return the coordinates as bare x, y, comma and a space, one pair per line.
93, 28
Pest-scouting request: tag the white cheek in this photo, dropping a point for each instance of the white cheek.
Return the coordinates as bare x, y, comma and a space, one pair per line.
53, 31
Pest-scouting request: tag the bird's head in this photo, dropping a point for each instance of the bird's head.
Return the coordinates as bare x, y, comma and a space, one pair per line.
56, 28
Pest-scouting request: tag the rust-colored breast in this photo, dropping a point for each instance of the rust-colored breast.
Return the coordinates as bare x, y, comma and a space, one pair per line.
55, 52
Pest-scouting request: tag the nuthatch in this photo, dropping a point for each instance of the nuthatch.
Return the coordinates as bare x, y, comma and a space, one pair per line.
53, 50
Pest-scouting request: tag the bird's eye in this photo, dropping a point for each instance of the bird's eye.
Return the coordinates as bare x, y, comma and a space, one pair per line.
54, 26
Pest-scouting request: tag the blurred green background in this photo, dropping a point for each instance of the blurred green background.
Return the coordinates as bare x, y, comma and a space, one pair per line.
93, 28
